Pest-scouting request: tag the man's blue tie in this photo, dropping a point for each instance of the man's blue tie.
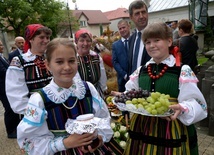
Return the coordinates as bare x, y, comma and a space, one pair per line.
136, 52
126, 46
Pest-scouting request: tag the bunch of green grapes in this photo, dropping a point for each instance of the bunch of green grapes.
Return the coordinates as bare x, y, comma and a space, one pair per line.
158, 103
155, 104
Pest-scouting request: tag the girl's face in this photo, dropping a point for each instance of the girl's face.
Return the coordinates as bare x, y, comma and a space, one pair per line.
39, 43
84, 45
63, 65
158, 48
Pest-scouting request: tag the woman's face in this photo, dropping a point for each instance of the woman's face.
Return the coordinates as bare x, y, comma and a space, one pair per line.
39, 43
63, 65
84, 45
158, 48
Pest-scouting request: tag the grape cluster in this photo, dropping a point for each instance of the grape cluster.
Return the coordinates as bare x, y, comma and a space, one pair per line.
129, 95
157, 103
154, 103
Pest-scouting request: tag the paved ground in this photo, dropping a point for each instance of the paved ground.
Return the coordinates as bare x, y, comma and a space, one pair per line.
10, 146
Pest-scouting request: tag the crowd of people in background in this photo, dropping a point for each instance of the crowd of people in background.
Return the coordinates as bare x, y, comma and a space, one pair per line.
44, 82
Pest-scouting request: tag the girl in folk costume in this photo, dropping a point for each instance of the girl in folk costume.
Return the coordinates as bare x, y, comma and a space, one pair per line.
175, 134
27, 72
90, 64
42, 130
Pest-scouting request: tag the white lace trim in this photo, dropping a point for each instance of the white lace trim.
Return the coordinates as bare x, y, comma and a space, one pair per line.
170, 61
59, 95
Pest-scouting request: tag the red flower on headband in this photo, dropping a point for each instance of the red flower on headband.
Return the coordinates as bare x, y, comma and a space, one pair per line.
29, 32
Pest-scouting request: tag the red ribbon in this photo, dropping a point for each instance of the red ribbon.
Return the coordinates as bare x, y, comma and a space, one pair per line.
177, 54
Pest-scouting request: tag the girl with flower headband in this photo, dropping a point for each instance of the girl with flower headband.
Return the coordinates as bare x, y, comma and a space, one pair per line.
90, 64
174, 134
43, 128
27, 72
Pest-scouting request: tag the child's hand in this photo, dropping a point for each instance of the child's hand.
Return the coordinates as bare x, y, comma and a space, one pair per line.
89, 147
77, 140
115, 93
177, 110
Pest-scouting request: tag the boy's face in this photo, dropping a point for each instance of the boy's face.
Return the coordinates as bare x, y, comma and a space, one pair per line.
63, 65
158, 48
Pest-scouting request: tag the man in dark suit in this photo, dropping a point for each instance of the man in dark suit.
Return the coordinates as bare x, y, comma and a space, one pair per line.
138, 12
19, 42
11, 119
120, 54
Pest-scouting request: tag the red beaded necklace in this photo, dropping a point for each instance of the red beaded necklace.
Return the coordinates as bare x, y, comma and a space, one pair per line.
156, 76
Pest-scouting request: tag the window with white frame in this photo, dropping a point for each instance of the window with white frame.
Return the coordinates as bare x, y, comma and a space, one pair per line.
83, 23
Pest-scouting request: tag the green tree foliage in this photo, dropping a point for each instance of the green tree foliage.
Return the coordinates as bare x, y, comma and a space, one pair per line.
209, 34
17, 14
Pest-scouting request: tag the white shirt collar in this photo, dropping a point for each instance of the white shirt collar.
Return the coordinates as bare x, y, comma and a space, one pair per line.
123, 39
170, 61
29, 56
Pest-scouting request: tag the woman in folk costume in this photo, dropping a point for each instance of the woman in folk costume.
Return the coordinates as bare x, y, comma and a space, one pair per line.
27, 72
43, 128
90, 64
175, 134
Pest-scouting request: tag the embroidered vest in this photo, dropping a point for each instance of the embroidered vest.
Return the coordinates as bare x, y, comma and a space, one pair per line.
167, 84
89, 68
58, 113
36, 74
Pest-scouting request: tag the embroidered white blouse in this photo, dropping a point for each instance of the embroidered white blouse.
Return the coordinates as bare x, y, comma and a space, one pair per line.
33, 134
16, 87
190, 97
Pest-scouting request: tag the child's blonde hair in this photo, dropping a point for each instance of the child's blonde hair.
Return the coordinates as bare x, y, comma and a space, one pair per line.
53, 44
157, 30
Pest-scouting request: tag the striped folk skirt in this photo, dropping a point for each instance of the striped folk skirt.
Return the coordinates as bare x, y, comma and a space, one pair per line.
157, 136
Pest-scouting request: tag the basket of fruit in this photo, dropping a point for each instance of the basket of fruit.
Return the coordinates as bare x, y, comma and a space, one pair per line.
145, 103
